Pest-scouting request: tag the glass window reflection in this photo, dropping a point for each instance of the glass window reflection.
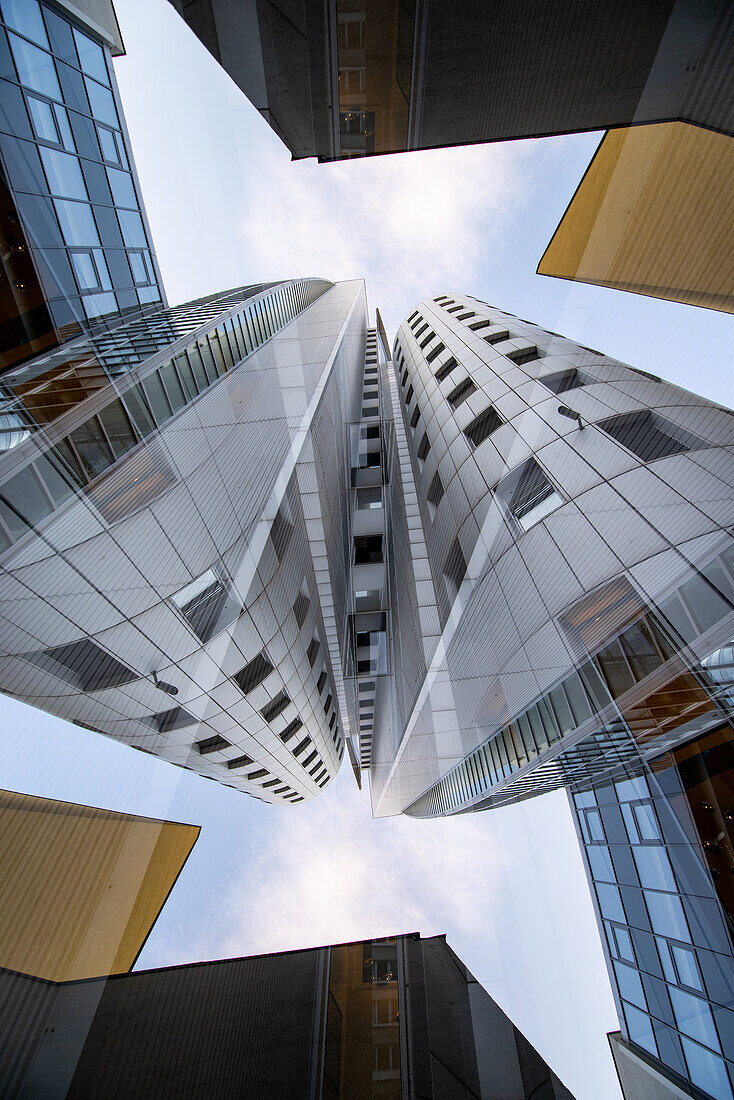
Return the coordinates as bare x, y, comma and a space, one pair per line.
35, 67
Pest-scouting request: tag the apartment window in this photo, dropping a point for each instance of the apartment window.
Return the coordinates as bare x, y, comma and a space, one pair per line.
211, 744
248, 678
370, 497
445, 370
409, 395
415, 417
563, 380
327, 704
207, 605
461, 392
435, 490
424, 447
420, 330
275, 707
271, 783
650, 435
300, 608
497, 337
454, 568
417, 320
302, 746
313, 651
174, 719
321, 683
528, 494
367, 549
84, 665
466, 316
404, 379
310, 759
435, 352
482, 426
290, 729
424, 343
524, 355
257, 774
454, 309
477, 326
280, 534
239, 762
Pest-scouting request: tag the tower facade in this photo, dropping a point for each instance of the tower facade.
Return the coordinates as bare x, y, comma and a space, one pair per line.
76, 248
174, 553
572, 584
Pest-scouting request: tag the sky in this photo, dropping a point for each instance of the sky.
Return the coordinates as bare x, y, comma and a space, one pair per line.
227, 207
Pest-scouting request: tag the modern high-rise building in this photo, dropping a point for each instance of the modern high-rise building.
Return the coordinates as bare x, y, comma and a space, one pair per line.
75, 248
348, 79
392, 1018
174, 532
570, 580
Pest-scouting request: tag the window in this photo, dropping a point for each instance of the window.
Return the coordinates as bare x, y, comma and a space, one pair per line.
248, 678
482, 426
174, 719
435, 490
420, 330
424, 447
207, 605
461, 392
409, 395
370, 497
275, 707
257, 774
239, 762
424, 343
454, 309
466, 316
524, 355
85, 270
85, 665
310, 759
415, 417
302, 746
454, 569
476, 326
300, 608
528, 494
649, 435
563, 380
290, 729
445, 370
497, 337
313, 651
321, 684
367, 549
64, 175
211, 744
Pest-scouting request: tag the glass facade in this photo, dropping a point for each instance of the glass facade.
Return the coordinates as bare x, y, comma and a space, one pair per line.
75, 247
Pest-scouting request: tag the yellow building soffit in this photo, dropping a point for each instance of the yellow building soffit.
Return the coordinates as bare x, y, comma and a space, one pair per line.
653, 214
81, 887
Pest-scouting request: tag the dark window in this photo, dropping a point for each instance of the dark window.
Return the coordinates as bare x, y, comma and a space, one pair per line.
531, 489
460, 393
649, 435
321, 682
367, 549
85, 665
211, 744
313, 651
300, 608
524, 355
424, 447
476, 326
173, 719
257, 774
301, 746
332, 720
409, 395
240, 762
482, 426
404, 379
248, 678
435, 490
466, 316
280, 534
327, 704
455, 568
271, 783
207, 605
413, 315
290, 729
454, 309
497, 337
426, 341
435, 352
562, 380
275, 707
419, 331
415, 417
445, 370
310, 759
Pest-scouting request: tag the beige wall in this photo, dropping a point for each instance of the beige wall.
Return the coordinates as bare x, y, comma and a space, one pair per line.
653, 214
81, 887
